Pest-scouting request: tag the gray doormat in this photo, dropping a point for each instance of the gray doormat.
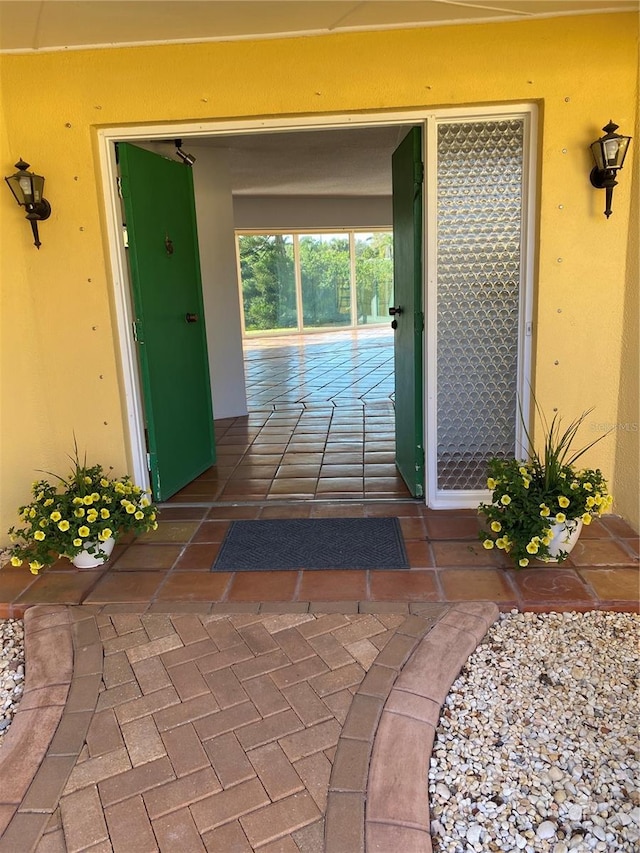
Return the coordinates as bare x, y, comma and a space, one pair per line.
312, 543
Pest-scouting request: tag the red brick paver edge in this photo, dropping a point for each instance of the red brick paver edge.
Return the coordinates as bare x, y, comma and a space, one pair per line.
397, 811
48, 730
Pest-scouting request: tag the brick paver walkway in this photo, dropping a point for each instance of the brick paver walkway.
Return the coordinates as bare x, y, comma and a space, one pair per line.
228, 733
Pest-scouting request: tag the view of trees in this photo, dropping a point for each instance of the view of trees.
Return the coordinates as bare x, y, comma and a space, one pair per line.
267, 268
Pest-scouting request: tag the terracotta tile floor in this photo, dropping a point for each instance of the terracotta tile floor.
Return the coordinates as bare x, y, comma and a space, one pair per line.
169, 570
321, 423
319, 442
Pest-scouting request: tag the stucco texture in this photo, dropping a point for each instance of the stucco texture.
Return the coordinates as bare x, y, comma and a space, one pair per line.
60, 352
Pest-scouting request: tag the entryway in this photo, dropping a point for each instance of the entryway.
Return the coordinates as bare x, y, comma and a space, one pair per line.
463, 321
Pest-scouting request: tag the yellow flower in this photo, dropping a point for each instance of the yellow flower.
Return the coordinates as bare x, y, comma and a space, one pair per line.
77, 542
152, 517
87, 500
505, 500
575, 485
532, 547
526, 482
586, 518
79, 512
501, 542
104, 483
155, 525
523, 562
35, 567
523, 471
491, 483
95, 496
488, 544
104, 513
130, 508
496, 526
63, 525
78, 501
16, 561
32, 513
48, 502
119, 488
92, 515
139, 515
560, 517
591, 501
544, 511
55, 516
105, 534
44, 522
39, 535
144, 502
563, 501
587, 487
83, 531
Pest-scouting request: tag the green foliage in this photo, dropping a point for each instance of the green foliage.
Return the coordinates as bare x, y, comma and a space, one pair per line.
267, 272
325, 270
87, 506
529, 497
268, 282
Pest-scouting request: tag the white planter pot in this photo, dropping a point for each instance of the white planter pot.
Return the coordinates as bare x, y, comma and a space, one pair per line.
565, 536
94, 554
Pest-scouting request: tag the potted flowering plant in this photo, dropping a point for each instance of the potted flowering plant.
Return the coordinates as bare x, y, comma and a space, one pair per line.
539, 505
79, 517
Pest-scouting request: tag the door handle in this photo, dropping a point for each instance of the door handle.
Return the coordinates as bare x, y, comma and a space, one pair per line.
394, 312
191, 318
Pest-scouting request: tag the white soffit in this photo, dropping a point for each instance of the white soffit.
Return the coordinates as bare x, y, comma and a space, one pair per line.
43, 25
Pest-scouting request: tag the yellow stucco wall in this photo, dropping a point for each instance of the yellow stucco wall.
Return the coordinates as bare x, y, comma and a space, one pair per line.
59, 357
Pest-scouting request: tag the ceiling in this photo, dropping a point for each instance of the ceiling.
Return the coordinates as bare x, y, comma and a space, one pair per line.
39, 25
318, 162
350, 162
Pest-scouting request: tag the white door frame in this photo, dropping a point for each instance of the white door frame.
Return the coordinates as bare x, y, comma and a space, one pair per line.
133, 415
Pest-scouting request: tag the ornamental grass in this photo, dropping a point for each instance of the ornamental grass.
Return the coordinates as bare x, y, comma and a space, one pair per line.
529, 497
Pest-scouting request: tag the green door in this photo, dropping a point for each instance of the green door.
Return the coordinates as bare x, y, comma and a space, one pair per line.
169, 317
408, 176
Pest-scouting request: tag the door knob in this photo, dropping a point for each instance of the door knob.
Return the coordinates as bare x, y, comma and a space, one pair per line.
393, 311
191, 318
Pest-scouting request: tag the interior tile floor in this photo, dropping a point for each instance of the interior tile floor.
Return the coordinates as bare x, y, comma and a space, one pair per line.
321, 423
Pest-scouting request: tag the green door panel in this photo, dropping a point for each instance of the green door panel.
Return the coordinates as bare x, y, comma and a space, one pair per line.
408, 175
172, 352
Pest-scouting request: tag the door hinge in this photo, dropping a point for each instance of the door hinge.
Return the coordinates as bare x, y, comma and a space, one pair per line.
148, 462
136, 332
418, 173
119, 185
528, 328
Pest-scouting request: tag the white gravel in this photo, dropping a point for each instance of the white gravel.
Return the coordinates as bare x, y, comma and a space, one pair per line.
537, 745
11, 670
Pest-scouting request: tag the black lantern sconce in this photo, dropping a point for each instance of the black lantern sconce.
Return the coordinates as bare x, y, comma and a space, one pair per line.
609, 152
27, 190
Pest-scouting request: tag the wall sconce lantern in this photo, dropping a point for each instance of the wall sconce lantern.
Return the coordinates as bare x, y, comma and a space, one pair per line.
608, 152
27, 190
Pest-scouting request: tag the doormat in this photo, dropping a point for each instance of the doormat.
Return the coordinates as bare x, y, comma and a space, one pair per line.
312, 543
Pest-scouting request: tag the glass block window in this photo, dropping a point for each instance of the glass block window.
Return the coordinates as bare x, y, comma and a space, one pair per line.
479, 223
